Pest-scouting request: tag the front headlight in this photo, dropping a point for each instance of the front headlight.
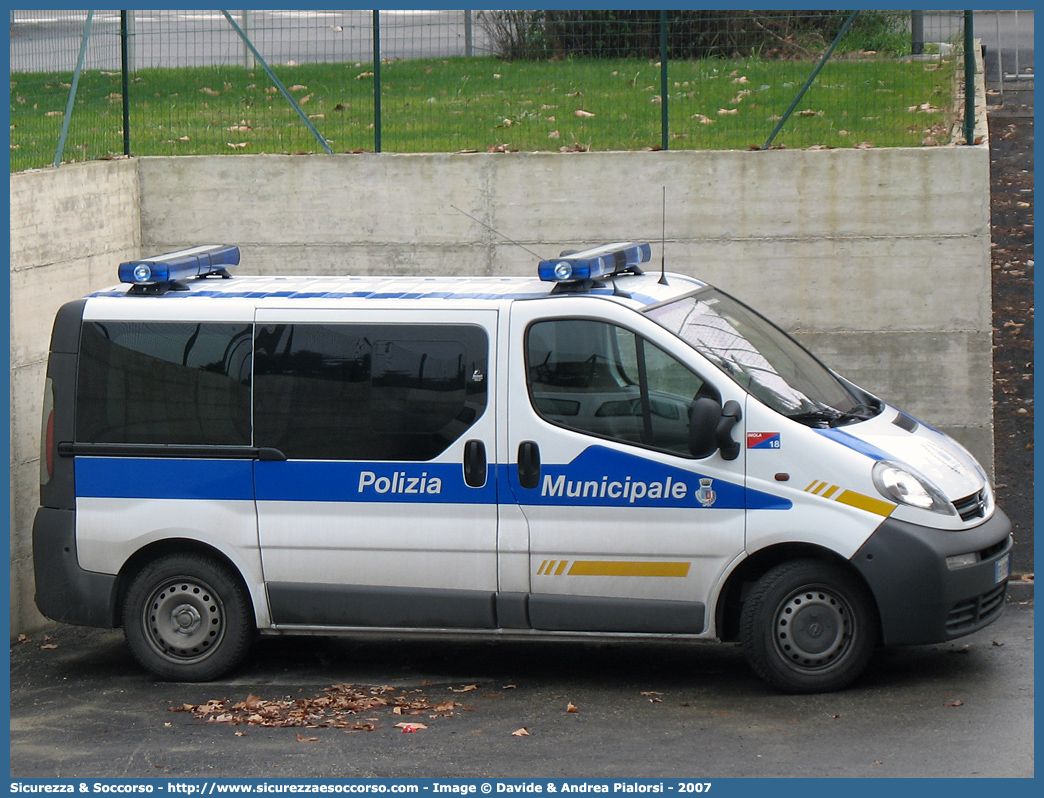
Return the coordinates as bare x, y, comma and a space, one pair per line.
904, 485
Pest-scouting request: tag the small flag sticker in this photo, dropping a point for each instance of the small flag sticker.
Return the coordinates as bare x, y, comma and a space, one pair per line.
763, 440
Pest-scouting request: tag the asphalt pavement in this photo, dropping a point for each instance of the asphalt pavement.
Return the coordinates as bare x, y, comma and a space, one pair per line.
81, 708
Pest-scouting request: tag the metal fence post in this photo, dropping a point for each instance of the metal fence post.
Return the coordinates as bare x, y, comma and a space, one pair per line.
125, 78
279, 84
664, 125
468, 35
969, 77
72, 91
376, 81
826, 57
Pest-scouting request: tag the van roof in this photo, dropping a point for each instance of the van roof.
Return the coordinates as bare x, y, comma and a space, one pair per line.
258, 291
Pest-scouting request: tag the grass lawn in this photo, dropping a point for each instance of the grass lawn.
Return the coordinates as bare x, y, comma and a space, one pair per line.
454, 104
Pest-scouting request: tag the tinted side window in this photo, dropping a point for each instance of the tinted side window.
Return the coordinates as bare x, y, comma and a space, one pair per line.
602, 379
367, 391
164, 383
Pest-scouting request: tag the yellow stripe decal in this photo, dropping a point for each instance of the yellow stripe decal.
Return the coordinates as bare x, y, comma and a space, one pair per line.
868, 503
851, 498
625, 568
561, 567
543, 565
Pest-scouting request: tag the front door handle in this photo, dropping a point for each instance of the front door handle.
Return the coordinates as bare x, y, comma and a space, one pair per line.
528, 464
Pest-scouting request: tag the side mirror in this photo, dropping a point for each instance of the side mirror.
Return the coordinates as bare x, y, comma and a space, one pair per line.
710, 428
704, 417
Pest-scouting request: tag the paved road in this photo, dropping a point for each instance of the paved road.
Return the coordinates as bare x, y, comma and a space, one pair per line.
43, 40
1007, 37
963, 709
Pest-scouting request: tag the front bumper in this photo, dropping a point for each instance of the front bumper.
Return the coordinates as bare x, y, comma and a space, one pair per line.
919, 598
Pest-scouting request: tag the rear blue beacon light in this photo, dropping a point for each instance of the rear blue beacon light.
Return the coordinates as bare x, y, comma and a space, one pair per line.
591, 264
181, 265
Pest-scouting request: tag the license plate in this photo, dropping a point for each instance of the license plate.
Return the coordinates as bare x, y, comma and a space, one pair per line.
1002, 569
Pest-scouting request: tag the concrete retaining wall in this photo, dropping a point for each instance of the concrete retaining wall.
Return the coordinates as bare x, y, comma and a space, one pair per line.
877, 259
69, 226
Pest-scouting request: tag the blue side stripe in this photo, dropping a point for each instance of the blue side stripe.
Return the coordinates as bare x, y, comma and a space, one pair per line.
615, 474
340, 481
855, 444
158, 478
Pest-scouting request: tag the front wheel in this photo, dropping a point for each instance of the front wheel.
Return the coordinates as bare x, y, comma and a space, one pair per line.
808, 627
187, 618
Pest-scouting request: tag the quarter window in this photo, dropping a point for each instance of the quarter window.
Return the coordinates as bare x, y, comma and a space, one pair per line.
164, 383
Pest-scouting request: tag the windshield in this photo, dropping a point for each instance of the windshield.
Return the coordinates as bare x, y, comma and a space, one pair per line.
763, 359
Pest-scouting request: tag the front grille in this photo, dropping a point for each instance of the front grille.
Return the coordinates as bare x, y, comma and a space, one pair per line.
990, 551
972, 507
975, 612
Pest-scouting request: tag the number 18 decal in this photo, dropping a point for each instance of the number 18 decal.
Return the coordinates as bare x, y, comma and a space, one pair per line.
763, 440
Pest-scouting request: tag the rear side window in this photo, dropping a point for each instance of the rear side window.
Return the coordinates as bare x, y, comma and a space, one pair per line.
164, 383
367, 391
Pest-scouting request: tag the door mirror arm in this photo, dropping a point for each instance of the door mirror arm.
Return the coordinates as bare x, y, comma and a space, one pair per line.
730, 417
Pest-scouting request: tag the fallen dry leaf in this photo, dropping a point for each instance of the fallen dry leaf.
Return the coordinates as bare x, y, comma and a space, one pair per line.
301, 739
465, 689
408, 728
523, 732
571, 707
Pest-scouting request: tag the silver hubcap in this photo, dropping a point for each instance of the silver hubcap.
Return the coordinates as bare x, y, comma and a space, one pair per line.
183, 620
813, 628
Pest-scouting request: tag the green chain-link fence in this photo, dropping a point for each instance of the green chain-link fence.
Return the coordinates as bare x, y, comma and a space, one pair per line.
196, 82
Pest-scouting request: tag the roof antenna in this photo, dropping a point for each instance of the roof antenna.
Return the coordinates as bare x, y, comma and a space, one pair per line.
663, 241
527, 249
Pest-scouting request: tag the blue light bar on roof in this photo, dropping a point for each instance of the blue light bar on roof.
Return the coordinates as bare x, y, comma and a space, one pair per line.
181, 265
594, 263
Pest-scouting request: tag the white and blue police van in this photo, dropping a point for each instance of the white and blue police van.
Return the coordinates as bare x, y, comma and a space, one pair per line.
599, 453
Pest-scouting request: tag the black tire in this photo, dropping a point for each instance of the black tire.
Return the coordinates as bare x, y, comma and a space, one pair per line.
188, 618
808, 627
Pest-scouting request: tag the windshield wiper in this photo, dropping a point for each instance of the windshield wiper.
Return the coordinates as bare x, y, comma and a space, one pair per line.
823, 417
861, 412
820, 418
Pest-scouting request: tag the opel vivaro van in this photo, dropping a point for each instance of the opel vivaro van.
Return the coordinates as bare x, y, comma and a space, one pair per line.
593, 453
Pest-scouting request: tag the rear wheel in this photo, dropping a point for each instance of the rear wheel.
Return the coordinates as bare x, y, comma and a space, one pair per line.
808, 627
187, 618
